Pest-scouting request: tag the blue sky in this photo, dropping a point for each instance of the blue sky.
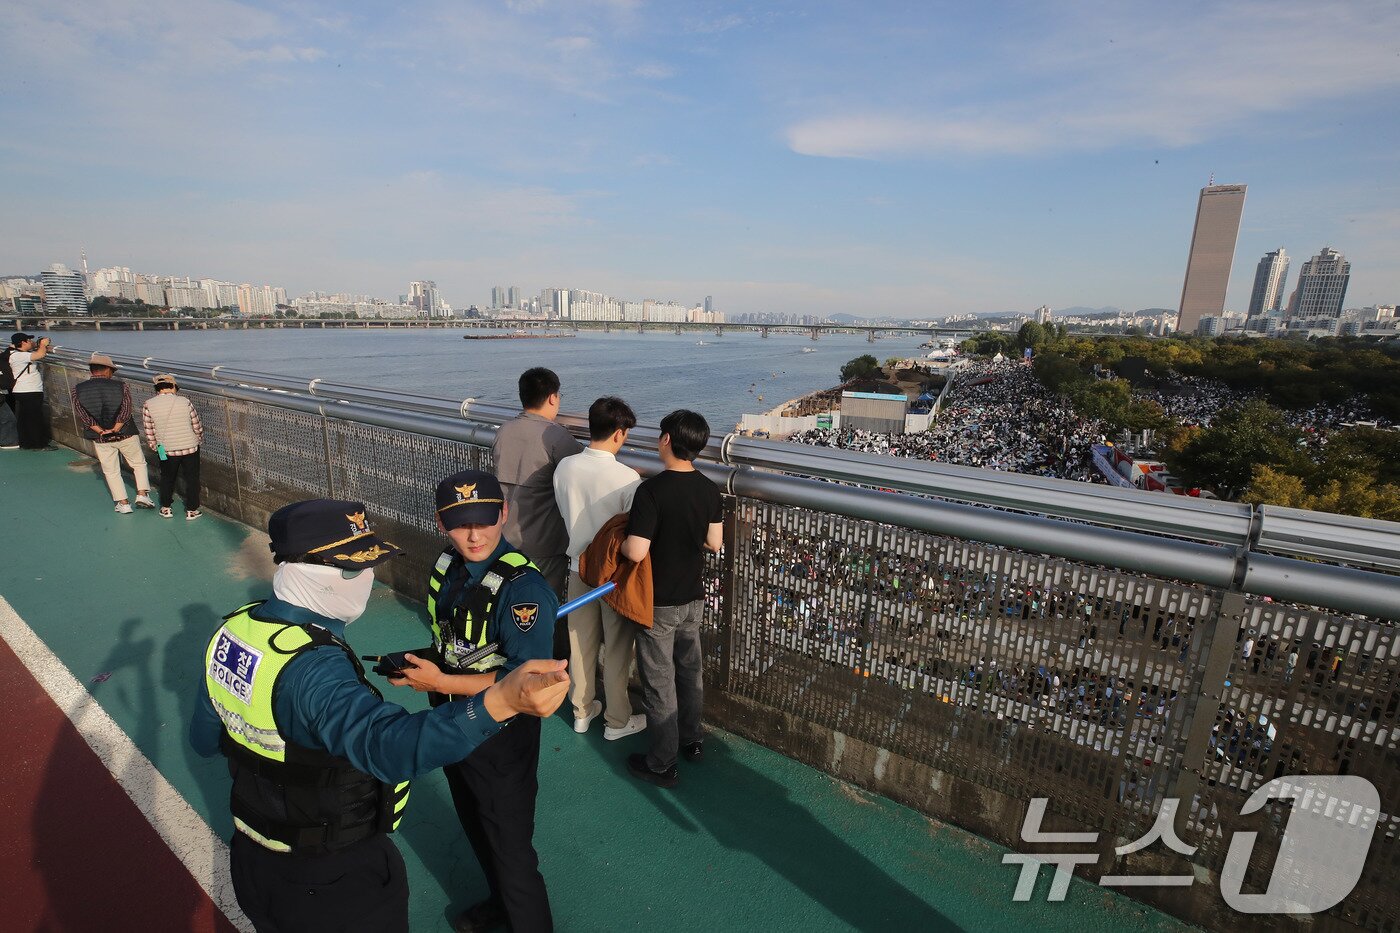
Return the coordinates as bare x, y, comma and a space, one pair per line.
879, 157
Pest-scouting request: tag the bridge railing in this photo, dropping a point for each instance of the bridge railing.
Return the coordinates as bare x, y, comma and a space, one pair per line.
964, 644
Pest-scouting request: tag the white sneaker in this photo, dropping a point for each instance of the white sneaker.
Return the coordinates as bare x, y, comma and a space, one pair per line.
581, 723
634, 725
123, 508
144, 502
192, 514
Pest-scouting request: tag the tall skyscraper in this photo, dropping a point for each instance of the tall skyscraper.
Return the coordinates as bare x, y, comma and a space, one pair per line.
513, 297
424, 296
64, 289
498, 297
1269, 281
1322, 286
1212, 253
709, 303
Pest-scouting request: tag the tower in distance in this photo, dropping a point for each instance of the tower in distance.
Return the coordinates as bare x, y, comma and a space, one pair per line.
1212, 253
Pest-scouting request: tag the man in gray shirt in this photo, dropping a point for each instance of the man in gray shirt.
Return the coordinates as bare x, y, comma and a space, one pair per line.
527, 449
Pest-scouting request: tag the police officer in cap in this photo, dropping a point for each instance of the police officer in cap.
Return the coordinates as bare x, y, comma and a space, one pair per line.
485, 593
320, 762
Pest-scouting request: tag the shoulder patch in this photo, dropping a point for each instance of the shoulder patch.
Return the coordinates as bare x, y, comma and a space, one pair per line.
525, 615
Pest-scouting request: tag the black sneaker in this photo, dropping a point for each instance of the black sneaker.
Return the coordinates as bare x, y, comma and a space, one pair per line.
637, 765
488, 915
695, 751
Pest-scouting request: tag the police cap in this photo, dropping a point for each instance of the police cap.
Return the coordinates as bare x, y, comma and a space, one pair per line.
471, 497
328, 531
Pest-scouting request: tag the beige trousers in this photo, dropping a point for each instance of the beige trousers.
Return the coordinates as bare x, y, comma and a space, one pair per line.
588, 626
111, 455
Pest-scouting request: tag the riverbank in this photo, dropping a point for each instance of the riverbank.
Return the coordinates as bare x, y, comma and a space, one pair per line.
911, 382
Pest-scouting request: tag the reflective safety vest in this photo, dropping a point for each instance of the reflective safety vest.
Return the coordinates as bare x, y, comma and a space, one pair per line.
463, 628
287, 797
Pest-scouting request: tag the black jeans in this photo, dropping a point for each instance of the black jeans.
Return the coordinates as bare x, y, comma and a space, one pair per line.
33, 426
171, 467
494, 793
363, 888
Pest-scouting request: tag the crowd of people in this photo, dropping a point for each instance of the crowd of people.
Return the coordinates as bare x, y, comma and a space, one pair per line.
997, 416
1196, 401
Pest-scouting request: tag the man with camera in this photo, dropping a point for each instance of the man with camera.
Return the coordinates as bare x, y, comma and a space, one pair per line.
27, 395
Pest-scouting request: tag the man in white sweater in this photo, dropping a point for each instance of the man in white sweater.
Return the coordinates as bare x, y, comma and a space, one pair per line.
174, 432
591, 487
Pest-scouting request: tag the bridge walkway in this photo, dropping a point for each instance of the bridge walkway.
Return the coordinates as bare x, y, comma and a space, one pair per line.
111, 613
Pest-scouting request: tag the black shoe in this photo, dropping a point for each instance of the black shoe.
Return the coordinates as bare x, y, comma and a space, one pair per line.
695, 751
637, 764
488, 915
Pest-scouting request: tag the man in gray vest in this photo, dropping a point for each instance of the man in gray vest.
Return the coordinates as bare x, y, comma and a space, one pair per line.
103, 407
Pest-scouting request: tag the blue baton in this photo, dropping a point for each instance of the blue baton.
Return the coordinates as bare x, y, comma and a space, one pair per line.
586, 598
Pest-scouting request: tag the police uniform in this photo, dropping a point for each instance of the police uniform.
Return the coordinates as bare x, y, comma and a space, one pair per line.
320, 762
501, 600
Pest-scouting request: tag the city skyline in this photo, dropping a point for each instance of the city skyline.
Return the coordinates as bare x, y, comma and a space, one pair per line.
806, 160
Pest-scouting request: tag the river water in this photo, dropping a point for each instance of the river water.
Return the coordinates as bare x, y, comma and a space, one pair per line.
655, 372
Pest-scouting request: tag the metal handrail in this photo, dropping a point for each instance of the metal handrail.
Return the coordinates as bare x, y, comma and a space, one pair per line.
1219, 556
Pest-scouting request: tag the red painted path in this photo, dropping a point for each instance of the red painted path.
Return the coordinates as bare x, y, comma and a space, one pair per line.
70, 838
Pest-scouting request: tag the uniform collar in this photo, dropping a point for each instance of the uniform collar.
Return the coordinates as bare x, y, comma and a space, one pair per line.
298, 615
477, 569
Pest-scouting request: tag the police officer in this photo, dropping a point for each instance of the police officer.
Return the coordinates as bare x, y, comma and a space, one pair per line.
320, 762
484, 592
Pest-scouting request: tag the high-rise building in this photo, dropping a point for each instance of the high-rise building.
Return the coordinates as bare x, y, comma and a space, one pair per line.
1042, 315
709, 303
513, 297
64, 290
424, 296
498, 298
1269, 281
257, 300
1212, 253
1322, 286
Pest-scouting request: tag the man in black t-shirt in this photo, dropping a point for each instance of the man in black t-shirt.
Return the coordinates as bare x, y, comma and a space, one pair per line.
676, 516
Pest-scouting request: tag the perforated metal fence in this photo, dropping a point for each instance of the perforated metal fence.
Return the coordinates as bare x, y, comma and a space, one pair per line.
981, 676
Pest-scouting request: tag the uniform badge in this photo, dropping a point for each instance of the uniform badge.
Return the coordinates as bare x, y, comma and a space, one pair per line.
525, 615
358, 525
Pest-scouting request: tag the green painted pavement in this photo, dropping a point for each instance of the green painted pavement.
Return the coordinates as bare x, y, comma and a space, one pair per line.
750, 840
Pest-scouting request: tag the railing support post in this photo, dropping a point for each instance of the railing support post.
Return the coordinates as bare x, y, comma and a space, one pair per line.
1218, 642
728, 590
326, 452
233, 460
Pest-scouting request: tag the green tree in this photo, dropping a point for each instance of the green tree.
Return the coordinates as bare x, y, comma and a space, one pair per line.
988, 343
1059, 374
1030, 335
862, 367
1224, 456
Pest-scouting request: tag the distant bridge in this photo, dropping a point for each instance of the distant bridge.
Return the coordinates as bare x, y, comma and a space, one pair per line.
872, 331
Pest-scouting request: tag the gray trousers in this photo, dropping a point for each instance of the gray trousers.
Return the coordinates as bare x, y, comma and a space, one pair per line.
555, 571
669, 660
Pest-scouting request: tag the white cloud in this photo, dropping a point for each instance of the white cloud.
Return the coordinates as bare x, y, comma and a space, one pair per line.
1110, 76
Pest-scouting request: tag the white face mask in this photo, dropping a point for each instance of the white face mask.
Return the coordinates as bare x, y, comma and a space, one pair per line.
324, 590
